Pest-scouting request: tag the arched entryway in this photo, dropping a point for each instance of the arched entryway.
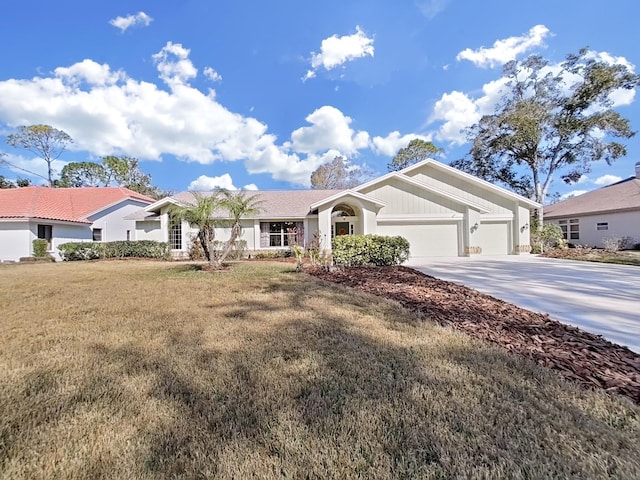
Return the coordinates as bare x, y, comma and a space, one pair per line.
346, 219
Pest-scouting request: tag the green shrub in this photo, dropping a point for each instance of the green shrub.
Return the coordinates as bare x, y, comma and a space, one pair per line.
73, 251
40, 248
550, 237
361, 250
267, 254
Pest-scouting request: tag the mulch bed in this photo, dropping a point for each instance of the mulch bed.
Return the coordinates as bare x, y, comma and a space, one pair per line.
580, 356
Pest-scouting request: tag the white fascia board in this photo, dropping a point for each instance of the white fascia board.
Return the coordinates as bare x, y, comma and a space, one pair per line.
345, 193
156, 206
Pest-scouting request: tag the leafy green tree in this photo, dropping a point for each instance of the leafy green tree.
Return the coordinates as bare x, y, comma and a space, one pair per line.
83, 174
238, 205
415, 152
200, 214
551, 122
43, 140
120, 171
5, 184
337, 176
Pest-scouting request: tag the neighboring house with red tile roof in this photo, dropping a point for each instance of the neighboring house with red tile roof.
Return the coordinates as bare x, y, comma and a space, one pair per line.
608, 212
440, 210
62, 215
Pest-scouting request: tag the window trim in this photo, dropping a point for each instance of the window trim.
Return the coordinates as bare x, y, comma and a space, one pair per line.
175, 235
47, 234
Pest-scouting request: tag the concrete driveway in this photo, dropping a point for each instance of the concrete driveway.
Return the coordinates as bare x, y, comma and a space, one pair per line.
600, 298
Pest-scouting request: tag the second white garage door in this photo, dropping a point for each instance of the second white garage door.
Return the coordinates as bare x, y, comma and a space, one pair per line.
426, 240
494, 238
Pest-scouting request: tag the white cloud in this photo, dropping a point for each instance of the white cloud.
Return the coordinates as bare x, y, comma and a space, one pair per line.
393, 142
34, 168
107, 112
329, 130
212, 75
139, 18
204, 183
174, 64
607, 180
336, 51
90, 72
582, 179
251, 186
505, 50
458, 112
573, 193
431, 8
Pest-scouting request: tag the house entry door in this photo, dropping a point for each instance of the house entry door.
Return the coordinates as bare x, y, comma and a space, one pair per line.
342, 228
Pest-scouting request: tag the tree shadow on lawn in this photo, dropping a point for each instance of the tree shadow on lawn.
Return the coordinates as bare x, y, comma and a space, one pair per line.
334, 394
324, 398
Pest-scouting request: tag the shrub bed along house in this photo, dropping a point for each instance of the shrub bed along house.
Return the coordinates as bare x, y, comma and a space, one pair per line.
73, 251
361, 250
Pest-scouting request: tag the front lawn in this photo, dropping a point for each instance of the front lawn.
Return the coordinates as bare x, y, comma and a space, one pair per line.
157, 370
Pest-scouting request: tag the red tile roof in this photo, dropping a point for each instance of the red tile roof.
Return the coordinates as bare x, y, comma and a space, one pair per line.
620, 196
68, 204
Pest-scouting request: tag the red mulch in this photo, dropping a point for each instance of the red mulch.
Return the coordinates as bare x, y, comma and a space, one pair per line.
580, 356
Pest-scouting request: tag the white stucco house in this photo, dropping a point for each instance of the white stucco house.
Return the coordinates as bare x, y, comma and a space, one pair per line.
608, 212
440, 210
62, 215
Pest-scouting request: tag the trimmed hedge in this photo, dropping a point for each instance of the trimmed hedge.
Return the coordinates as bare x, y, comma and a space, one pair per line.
40, 246
73, 251
362, 250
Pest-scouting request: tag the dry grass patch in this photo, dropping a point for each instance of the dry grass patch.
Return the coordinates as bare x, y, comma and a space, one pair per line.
152, 370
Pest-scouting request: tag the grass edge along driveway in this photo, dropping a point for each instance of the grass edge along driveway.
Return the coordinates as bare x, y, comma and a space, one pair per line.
157, 370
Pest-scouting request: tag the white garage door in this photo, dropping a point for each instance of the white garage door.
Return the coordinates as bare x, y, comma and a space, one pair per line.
494, 238
426, 240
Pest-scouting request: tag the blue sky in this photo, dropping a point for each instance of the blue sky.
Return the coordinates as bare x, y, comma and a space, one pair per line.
259, 94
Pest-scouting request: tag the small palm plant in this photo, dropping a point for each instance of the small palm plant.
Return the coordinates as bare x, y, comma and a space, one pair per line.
238, 205
200, 214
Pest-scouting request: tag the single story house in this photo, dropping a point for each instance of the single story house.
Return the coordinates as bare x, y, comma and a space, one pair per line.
605, 213
439, 209
62, 215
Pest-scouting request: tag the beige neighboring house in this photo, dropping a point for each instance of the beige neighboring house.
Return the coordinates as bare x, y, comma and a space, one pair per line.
608, 212
440, 210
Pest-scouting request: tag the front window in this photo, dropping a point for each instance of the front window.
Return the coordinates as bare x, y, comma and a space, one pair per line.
97, 234
570, 229
281, 234
175, 235
46, 232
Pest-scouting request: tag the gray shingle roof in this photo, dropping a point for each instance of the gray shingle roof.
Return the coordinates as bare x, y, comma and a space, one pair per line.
620, 196
276, 203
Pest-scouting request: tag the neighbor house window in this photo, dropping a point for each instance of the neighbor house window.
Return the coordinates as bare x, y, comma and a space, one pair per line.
97, 234
175, 236
570, 229
281, 234
602, 226
128, 235
46, 232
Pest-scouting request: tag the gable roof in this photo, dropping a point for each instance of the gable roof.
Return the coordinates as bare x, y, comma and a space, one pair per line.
620, 196
64, 204
403, 175
273, 203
